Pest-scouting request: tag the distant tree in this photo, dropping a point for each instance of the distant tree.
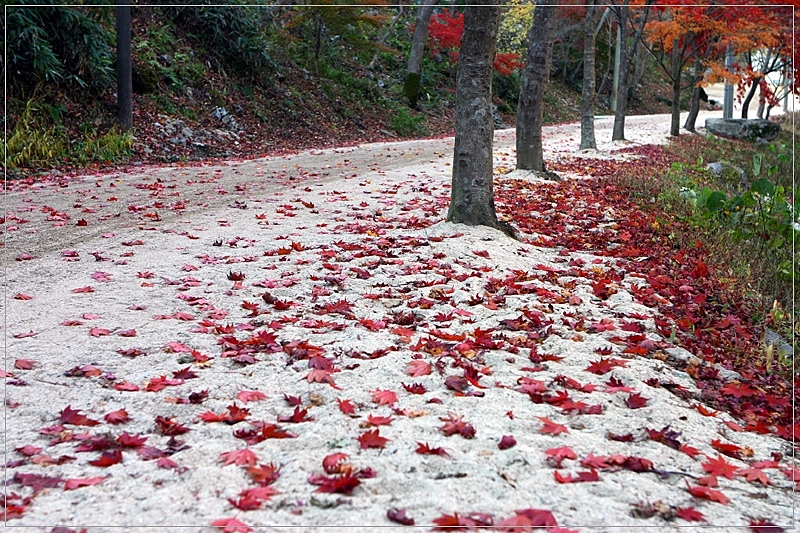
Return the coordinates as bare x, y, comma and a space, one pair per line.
414, 71
589, 77
535, 76
472, 194
629, 22
124, 71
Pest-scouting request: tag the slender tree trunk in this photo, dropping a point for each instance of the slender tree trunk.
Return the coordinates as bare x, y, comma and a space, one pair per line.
472, 193
414, 70
691, 119
675, 122
588, 91
534, 84
382, 39
124, 72
750, 94
623, 17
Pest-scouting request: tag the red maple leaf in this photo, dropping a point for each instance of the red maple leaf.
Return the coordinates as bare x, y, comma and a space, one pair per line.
754, 474
332, 463
250, 396
719, 467
343, 484
264, 474
239, 457
372, 439
506, 442
690, 514
383, 397
557, 455
72, 416
76, 483
119, 416
636, 401
415, 388
454, 424
107, 458
605, 365
707, 493
346, 406
232, 525
424, 449
131, 441
417, 368
379, 420
299, 415
582, 477
169, 427
551, 428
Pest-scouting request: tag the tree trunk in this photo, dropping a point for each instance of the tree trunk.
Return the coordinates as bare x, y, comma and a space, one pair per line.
382, 38
675, 122
750, 95
689, 125
124, 72
534, 84
623, 17
472, 194
414, 70
588, 91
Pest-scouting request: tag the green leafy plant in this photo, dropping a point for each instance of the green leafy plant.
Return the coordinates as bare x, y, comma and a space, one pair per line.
30, 144
406, 124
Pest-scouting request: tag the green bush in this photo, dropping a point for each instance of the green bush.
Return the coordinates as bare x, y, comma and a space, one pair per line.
29, 143
407, 125
232, 34
58, 44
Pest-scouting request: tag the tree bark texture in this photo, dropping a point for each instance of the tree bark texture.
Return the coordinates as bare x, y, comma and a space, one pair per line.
750, 94
124, 72
589, 77
623, 19
472, 194
694, 108
414, 71
676, 66
534, 83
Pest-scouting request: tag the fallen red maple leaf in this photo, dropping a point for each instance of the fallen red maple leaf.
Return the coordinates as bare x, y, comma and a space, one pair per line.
299, 415
119, 416
690, 514
239, 457
424, 449
107, 458
507, 442
754, 474
719, 467
169, 427
372, 439
340, 484
250, 396
76, 483
331, 463
399, 516
454, 424
379, 420
264, 474
551, 428
417, 368
346, 406
72, 416
707, 493
232, 525
636, 401
557, 455
383, 397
